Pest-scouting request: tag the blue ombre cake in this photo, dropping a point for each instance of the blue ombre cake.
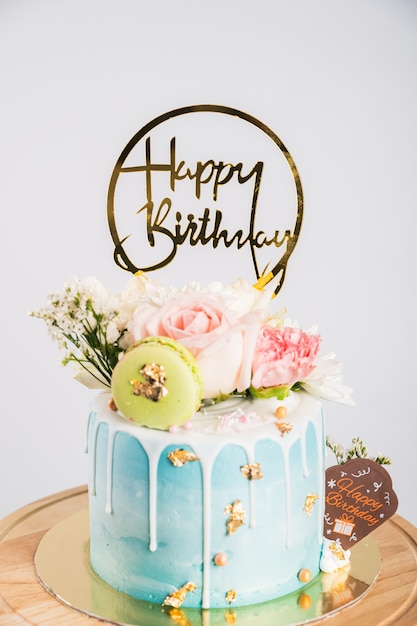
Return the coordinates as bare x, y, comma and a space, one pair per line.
227, 509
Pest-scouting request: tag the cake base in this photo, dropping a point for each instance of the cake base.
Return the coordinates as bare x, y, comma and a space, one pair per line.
63, 567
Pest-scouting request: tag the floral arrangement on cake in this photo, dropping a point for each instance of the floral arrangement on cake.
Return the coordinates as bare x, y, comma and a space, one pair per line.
240, 346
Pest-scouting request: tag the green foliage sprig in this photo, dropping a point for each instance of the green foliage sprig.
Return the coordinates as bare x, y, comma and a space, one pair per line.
357, 450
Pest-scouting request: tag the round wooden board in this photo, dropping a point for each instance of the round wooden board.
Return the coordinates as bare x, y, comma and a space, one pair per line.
23, 600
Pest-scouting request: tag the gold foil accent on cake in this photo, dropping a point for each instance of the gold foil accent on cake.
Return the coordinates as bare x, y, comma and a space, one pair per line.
337, 550
180, 457
231, 596
236, 518
176, 598
252, 471
154, 386
309, 503
284, 427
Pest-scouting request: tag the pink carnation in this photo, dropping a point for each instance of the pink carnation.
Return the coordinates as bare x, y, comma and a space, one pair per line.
283, 356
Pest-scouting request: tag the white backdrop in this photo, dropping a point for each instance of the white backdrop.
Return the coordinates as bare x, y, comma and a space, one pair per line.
335, 80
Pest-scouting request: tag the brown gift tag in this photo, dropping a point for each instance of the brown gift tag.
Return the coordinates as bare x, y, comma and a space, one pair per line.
359, 498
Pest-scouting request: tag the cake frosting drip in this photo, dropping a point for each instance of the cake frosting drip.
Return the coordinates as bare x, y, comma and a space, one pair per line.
145, 512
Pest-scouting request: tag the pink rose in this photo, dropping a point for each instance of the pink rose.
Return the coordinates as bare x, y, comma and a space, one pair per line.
222, 343
283, 356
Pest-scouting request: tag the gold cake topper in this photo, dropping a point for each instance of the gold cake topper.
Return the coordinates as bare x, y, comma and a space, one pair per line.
205, 175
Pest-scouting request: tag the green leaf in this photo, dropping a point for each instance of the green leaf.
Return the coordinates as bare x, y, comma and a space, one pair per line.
280, 392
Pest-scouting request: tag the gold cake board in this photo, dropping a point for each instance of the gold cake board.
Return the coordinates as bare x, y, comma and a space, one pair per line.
392, 599
63, 566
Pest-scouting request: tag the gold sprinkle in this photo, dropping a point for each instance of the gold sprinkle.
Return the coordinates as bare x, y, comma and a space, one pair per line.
309, 503
176, 598
231, 596
337, 551
180, 457
281, 412
112, 405
236, 518
284, 427
252, 471
305, 575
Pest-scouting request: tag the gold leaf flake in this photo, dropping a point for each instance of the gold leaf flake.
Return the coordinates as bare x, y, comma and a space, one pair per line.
252, 471
180, 457
236, 518
284, 427
176, 598
231, 596
154, 386
309, 503
337, 551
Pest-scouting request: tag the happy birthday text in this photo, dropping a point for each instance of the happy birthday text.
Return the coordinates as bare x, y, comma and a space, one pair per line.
206, 228
351, 499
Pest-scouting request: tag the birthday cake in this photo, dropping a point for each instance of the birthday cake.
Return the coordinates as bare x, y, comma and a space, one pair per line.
206, 436
206, 445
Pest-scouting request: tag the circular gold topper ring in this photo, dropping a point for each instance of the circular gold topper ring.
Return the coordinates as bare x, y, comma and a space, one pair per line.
254, 240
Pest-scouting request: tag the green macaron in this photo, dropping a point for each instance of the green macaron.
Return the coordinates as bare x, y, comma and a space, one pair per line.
157, 383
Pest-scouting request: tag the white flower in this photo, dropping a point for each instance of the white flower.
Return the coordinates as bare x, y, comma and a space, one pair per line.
241, 297
326, 381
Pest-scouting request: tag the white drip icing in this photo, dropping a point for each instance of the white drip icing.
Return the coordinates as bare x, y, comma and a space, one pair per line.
90, 417
153, 498
320, 436
250, 455
109, 471
206, 473
97, 423
286, 456
306, 471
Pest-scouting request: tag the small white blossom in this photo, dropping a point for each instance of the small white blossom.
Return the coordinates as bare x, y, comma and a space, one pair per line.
241, 297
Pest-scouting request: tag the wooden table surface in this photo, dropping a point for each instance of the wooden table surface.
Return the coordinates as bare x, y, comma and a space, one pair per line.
391, 601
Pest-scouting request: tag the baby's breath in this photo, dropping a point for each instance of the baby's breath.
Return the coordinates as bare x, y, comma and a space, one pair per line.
357, 450
81, 320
